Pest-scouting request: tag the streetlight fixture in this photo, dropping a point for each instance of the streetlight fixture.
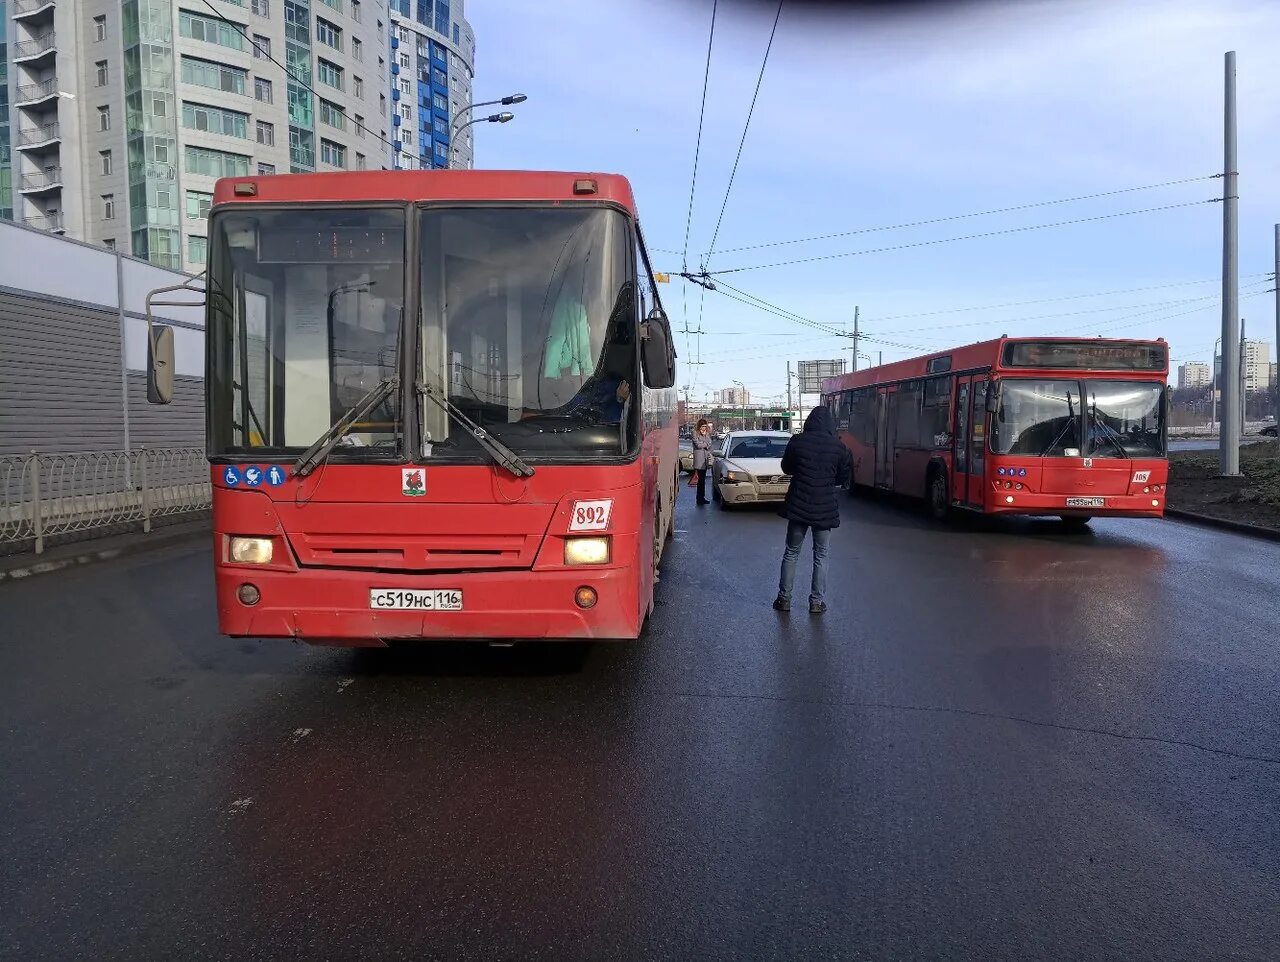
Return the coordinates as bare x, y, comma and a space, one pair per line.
458, 126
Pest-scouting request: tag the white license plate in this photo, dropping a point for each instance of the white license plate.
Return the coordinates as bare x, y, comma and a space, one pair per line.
408, 599
1086, 502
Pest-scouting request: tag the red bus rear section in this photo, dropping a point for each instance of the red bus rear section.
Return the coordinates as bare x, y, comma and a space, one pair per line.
1066, 427
440, 406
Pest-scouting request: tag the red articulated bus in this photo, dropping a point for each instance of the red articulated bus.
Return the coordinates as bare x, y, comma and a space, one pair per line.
1037, 426
440, 406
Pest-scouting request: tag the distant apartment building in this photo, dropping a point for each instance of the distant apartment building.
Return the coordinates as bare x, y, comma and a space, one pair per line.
1256, 366
735, 396
1193, 374
117, 116
431, 68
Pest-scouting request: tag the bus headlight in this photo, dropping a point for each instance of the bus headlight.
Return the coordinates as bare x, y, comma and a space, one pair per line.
250, 551
586, 551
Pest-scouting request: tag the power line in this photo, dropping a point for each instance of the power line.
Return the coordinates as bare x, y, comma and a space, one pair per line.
697, 150
266, 53
981, 213
745, 127
950, 240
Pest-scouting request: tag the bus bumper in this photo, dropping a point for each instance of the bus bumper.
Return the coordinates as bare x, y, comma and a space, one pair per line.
1115, 506
332, 607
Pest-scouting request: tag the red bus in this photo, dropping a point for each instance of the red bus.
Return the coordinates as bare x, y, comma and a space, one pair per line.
440, 406
1036, 426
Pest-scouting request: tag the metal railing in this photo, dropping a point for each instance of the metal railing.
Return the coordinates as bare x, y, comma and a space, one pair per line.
34, 47
38, 135
43, 495
49, 222
41, 179
26, 93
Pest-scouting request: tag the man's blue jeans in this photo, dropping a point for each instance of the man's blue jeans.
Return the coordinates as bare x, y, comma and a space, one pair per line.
795, 540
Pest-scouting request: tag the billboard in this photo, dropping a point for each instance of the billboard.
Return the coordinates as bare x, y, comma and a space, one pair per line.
813, 373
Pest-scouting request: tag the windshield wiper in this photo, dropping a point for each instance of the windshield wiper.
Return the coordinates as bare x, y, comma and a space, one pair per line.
1109, 433
1071, 411
501, 454
327, 441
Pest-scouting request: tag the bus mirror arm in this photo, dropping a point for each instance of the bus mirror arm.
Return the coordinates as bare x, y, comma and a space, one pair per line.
160, 352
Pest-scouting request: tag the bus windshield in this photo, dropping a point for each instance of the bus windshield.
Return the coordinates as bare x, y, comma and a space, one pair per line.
528, 325
1049, 418
304, 320
1037, 418
1125, 419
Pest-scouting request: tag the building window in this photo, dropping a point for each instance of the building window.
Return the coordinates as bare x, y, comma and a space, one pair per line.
199, 204
359, 126
440, 77
216, 163
104, 118
197, 249
215, 120
357, 87
355, 10
406, 111
335, 155
441, 150
329, 74
105, 156
266, 133
261, 47
215, 76
406, 86
161, 153
404, 135
357, 49
262, 8
441, 128
159, 107
99, 29
162, 198
362, 162
328, 34
336, 4
405, 62
441, 102
101, 66
455, 34
266, 170
109, 243
332, 115
196, 26
108, 206
262, 90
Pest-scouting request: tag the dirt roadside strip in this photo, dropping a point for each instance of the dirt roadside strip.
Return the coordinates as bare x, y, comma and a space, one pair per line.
1249, 503
18, 566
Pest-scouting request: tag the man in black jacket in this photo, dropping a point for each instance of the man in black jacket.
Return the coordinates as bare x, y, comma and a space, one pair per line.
819, 465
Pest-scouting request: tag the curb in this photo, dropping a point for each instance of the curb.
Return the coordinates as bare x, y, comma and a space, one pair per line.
19, 567
1209, 521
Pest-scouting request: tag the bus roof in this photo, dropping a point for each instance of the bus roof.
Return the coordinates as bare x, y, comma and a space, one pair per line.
985, 354
417, 185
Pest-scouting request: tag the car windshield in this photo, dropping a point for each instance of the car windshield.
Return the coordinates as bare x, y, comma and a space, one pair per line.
304, 320
758, 447
528, 325
1038, 418
1125, 419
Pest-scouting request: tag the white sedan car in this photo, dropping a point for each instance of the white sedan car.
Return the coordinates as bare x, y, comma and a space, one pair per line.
748, 468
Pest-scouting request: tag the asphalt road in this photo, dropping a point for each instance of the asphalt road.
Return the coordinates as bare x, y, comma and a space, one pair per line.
1002, 742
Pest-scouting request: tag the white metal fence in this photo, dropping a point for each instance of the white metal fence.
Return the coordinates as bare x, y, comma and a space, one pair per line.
47, 495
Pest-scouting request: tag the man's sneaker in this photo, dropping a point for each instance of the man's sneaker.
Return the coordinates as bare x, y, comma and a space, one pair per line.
817, 607
780, 604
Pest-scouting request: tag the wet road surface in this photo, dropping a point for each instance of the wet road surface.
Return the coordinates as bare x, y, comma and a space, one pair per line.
1002, 742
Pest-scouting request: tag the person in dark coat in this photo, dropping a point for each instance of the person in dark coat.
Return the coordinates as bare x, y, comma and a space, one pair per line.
819, 466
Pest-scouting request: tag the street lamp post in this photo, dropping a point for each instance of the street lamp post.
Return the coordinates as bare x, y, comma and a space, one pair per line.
458, 126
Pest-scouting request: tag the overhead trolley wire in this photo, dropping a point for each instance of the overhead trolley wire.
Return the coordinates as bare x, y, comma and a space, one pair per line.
697, 150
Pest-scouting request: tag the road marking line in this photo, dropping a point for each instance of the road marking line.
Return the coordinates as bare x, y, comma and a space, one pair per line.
342, 685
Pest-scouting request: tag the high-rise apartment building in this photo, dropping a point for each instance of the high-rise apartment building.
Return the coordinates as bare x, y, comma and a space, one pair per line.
432, 64
1256, 365
124, 113
1193, 374
736, 396
6, 163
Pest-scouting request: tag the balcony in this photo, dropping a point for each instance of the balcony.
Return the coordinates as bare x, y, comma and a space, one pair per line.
38, 137
31, 95
31, 51
41, 182
50, 222
22, 9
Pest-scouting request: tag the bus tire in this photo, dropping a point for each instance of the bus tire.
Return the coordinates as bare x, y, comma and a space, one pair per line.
1075, 522
938, 494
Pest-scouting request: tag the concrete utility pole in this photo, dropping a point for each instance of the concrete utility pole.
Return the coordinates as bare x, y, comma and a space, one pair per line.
789, 363
1229, 435
855, 337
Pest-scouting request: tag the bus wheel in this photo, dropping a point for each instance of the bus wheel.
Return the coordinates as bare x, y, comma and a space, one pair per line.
1076, 522
938, 495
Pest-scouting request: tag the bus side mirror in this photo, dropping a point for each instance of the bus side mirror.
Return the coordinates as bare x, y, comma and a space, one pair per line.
160, 364
160, 361
657, 350
993, 397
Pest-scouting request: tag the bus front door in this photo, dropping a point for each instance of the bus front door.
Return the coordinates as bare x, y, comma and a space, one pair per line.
970, 440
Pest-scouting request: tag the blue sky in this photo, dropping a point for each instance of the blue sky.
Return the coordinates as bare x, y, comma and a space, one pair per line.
864, 123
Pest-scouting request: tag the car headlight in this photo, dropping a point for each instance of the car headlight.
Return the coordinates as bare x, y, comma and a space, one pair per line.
586, 551
250, 551
735, 476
